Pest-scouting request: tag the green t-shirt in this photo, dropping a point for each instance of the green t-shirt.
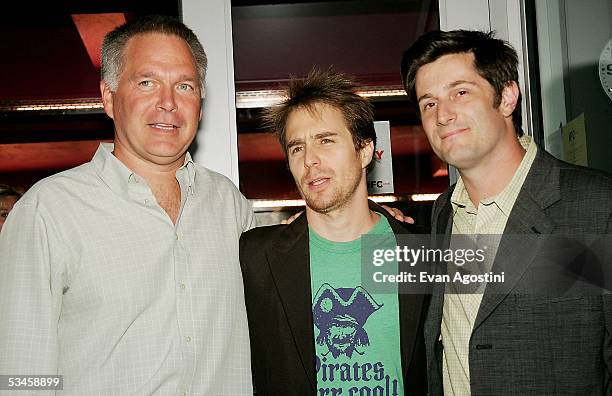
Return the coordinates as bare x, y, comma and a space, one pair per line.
357, 334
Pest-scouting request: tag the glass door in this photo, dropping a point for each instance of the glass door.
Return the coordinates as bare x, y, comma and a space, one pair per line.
574, 46
363, 38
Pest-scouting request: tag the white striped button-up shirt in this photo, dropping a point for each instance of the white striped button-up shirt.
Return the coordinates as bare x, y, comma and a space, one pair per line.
98, 285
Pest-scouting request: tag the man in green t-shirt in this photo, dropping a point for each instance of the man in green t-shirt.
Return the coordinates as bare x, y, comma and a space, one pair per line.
315, 328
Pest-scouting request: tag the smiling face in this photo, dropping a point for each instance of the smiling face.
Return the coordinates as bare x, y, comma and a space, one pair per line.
456, 106
156, 108
327, 169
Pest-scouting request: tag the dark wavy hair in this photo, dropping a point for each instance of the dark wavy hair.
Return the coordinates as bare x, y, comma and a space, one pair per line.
494, 59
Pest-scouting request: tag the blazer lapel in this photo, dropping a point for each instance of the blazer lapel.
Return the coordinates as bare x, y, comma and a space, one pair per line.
290, 268
410, 309
442, 225
527, 228
410, 305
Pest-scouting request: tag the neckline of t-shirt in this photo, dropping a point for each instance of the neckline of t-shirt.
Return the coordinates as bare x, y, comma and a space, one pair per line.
381, 227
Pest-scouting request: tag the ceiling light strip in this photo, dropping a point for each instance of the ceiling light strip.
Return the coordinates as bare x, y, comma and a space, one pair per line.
424, 197
54, 107
286, 203
50, 105
266, 98
244, 99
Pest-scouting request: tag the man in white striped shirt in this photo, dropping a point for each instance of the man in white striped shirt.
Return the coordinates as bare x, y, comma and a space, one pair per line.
122, 274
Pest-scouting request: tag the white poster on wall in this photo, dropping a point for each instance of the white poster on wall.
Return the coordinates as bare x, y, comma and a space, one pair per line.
575, 142
380, 179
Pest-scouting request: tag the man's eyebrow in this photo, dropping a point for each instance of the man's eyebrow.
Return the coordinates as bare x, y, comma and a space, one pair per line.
460, 82
447, 86
145, 75
187, 77
294, 142
325, 134
320, 135
182, 77
426, 96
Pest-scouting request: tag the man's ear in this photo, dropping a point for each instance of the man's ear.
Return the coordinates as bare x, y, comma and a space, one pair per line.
107, 98
202, 97
509, 98
366, 152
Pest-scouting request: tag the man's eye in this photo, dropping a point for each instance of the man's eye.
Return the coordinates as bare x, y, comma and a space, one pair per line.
326, 140
429, 105
296, 149
146, 83
462, 92
185, 87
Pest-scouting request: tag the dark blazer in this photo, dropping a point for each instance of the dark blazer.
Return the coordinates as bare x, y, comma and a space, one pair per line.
275, 264
526, 344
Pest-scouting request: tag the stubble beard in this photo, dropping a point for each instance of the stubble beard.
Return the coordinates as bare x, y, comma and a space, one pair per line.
339, 198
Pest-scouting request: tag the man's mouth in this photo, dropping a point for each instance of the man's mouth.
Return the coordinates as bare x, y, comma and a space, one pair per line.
452, 133
163, 126
319, 181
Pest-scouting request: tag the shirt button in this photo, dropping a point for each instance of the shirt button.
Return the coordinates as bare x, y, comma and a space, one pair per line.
183, 286
146, 201
183, 393
188, 339
176, 236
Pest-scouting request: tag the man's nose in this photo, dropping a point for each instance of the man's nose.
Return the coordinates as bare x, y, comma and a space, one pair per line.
167, 100
445, 112
311, 157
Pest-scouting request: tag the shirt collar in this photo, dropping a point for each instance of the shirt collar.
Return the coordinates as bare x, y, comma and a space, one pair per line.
189, 165
504, 200
118, 177
460, 197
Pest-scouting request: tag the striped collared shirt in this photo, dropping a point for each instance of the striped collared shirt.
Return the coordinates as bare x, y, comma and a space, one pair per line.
460, 310
98, 285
